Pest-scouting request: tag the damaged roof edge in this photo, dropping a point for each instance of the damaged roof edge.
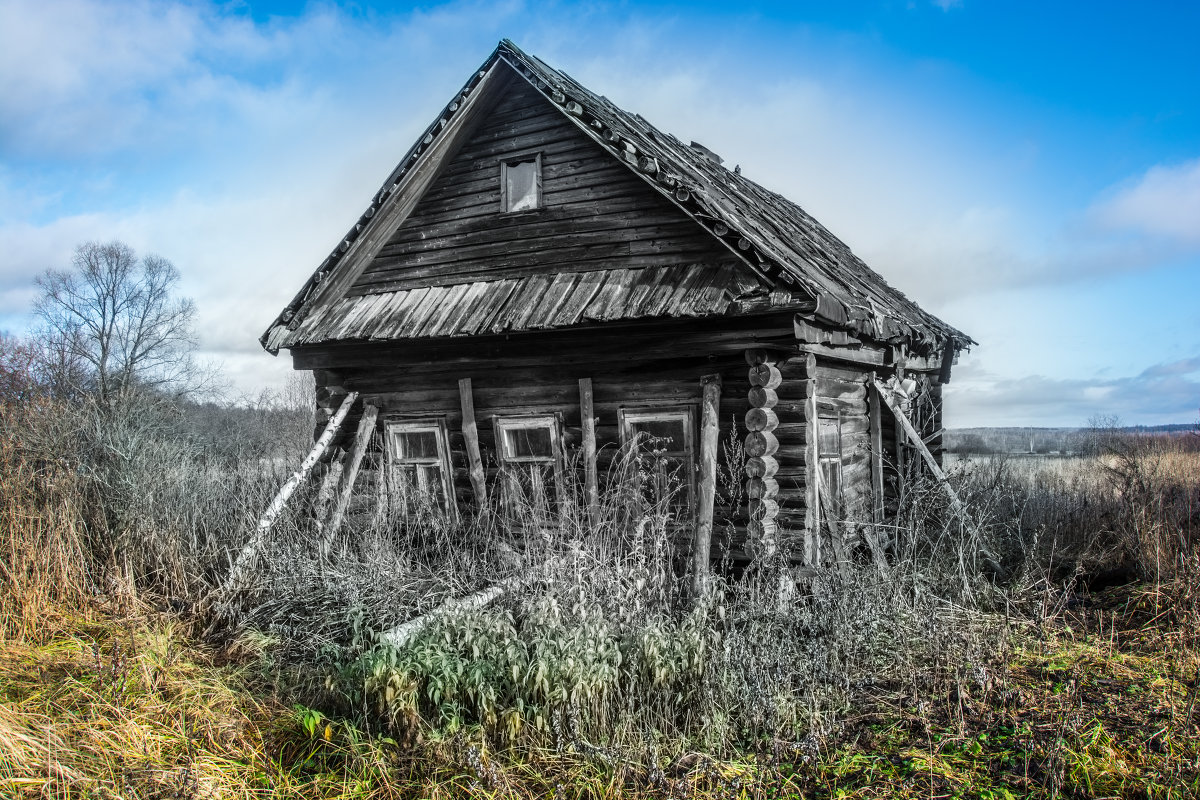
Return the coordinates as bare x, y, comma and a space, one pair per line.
771, 235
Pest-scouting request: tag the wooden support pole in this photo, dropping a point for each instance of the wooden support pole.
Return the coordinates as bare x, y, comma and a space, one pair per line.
328, 528
915, 438
587, 417
245, 560
710, 421
812, 466
956, 504
876, 454
471, 438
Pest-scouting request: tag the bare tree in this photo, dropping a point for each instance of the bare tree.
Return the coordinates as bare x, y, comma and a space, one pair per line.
114, 326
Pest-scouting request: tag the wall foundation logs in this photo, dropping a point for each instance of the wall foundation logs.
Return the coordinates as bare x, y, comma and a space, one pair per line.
762, 488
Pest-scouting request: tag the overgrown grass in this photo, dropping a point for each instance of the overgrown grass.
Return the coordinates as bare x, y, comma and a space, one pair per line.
913, 674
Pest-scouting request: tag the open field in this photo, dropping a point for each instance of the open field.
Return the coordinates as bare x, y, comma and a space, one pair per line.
1072, 674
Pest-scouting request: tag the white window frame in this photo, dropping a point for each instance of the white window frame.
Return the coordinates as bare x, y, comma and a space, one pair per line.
437, 426
629, 417
552, 422
834, 459
511, 161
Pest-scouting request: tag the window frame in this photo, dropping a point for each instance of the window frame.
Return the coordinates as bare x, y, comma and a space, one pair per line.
836, 499
395, 426
628, 417
511, 161
501, 423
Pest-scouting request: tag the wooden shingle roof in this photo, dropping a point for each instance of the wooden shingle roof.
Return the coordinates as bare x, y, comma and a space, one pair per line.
795, 259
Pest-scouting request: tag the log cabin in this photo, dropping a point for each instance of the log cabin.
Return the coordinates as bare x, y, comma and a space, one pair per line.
546, 277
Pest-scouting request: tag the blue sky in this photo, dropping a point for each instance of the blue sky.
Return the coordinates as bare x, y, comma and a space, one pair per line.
1030, 172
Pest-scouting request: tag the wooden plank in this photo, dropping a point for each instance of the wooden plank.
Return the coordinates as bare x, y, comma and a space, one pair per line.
471, 439
710, 421
876, 455
956, 505
812, 524
587, 417
249, 553
327, 529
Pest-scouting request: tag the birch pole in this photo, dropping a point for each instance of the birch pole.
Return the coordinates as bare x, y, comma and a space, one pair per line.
246, 558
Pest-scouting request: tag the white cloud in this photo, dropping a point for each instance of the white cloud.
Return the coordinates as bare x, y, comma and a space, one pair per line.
1161, 394
1163, 202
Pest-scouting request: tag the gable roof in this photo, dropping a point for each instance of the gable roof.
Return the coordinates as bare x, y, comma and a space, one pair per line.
796, 261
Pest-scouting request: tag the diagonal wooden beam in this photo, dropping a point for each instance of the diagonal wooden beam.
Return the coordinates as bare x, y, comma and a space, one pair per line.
470, 431
249, 553
956, 504
328, 528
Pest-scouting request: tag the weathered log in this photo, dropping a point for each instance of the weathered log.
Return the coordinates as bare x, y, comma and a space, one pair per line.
761, 419
761, 397
765, 375
762, 488
403, 633
764, 509
587, 414
761, 443
763, 533
876, 429
710, 420
327, 529
756, 356
470, 433
761, 466
956, 504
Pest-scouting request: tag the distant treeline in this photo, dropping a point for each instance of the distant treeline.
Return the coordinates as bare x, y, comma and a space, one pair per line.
1044, 441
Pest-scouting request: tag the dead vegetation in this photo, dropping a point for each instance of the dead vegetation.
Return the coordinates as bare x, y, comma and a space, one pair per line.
915, 675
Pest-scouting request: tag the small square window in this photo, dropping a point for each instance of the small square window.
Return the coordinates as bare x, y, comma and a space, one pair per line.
521, 184
665, 441
420, 465
530, 450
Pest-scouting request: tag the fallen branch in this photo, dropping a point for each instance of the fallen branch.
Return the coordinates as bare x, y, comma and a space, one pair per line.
406, 631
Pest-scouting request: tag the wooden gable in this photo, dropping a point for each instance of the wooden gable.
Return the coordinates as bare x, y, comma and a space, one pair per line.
595, 214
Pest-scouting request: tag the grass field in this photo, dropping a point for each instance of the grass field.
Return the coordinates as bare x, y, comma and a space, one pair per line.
918, 675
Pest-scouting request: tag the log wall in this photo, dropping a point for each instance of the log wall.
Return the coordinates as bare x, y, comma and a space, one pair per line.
632, 367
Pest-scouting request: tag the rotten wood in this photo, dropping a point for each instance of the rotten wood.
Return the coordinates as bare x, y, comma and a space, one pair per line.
587, 416
470, 433
876, 429
710, 416
327, 529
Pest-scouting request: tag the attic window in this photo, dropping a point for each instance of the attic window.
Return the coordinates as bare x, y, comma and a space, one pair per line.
521, 184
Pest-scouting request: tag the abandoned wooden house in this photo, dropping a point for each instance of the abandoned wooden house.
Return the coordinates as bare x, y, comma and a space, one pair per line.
545, 276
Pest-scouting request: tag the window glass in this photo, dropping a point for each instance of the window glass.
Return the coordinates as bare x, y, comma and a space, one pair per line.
521, 185
830, 462
418, 444
529, 462
831, 444
530, 442
665, 434
665, 455
420, 474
